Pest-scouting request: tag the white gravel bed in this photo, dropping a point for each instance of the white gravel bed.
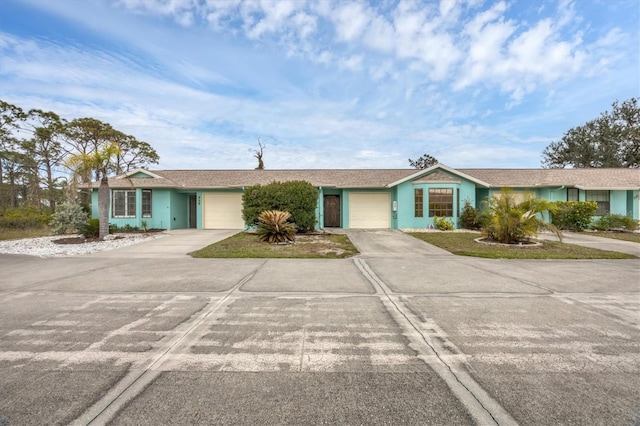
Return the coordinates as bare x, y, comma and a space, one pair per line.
45, 247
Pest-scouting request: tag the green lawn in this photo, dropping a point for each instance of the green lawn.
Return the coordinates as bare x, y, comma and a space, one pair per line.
463, 244
245, 245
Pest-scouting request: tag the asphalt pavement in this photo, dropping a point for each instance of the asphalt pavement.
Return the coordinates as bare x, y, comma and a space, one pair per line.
404, 333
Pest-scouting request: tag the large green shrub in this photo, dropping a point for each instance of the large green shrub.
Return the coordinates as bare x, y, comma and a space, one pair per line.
614, 222
299, 198
573, 215
68, 218
24, 218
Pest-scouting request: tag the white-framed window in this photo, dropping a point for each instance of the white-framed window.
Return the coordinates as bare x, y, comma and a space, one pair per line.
573, 194
602, 198
146, 203
441, 202
123, 203
418, 201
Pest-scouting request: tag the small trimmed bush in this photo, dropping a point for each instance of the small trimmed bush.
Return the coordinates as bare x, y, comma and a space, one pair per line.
442, 223
68, 218
91, 228
128, 228
614, 222
573, 215
274, 228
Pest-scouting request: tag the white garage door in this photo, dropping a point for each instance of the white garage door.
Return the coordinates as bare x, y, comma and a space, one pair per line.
222, 211
369, 210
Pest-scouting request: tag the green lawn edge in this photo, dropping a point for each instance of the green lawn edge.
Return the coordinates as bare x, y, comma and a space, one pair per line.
463, 244
633, 237
247, 246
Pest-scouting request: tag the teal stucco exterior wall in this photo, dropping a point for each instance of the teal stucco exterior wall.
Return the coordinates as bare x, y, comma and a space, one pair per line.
166, 204
462, 191
170, 207
618, 202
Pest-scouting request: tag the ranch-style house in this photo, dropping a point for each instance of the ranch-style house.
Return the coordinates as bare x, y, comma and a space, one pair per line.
356, 198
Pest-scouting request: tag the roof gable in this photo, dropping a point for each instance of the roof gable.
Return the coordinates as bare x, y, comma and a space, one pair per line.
139, 174
436, 177
442, 167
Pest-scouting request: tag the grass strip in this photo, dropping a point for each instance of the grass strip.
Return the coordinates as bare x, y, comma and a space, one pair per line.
17, 234
463, 244
244, 245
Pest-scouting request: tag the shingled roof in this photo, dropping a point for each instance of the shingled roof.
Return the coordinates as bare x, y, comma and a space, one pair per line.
578, 178
380, 178
204, 179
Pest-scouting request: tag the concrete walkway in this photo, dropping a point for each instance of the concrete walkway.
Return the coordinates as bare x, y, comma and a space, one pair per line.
601, 243
178, 244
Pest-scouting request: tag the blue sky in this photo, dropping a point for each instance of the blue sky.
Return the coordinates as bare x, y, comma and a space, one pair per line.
344, 84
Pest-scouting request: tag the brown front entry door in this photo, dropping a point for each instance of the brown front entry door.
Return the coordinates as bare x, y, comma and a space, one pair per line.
193, 218
331, 211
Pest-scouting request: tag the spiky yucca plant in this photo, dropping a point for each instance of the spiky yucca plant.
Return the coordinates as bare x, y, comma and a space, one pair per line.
274, 228
512, 222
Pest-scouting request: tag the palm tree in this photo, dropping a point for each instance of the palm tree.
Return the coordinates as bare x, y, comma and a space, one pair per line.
512, 222
101, 162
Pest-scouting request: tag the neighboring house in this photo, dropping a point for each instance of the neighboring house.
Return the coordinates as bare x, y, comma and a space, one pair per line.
348, 198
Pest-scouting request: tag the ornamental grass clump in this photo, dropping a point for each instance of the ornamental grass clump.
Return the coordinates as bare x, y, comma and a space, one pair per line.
273, 227
513, 222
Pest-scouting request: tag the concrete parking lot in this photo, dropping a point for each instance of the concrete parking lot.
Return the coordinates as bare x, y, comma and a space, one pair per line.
405, 333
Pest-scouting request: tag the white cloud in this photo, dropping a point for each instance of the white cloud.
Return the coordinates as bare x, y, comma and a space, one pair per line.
353, 63
274, 16
518, 57
380, 35
351, 19
447, 7
181, 10
419, 36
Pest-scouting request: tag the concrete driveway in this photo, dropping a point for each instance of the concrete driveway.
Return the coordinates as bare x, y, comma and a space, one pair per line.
402, 334
177, 244
600, 243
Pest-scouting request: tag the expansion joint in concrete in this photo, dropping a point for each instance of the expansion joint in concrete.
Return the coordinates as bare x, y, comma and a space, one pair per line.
134, 382
480, 405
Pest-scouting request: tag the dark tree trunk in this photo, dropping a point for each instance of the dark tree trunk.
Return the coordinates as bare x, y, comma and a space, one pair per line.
51, 193
103, 207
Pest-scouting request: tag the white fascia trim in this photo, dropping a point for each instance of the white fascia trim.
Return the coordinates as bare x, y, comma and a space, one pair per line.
140, 170
607, 188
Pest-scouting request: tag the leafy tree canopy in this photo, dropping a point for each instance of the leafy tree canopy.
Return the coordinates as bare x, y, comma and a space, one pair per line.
37, 149
423, 162
611, 140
